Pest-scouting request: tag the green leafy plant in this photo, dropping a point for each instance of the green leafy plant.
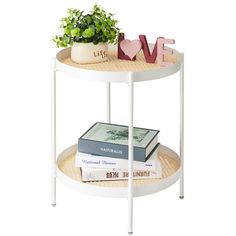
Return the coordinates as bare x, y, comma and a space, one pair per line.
97, 26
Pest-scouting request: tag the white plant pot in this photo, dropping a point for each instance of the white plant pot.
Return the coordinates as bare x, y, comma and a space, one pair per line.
86, 53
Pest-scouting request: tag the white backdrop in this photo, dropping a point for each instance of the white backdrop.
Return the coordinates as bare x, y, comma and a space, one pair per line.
205, 32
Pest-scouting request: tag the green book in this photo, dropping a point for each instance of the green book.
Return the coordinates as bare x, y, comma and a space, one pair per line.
111, 140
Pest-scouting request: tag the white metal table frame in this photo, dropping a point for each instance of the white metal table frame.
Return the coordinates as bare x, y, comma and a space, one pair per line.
130, 81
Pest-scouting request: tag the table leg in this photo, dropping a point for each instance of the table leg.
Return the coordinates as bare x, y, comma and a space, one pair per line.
108, 97
130, 179
181, 151
53, 136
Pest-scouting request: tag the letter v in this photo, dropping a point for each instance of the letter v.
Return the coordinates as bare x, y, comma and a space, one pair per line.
150, 58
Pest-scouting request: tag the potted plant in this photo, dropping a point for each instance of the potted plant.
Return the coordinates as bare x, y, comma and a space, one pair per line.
88, 34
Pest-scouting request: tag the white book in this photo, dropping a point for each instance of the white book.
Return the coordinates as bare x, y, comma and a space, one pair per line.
102, 162
91, 174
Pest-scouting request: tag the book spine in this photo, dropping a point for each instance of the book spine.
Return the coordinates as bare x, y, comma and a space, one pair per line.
111, 163
110, 150
92, 161
99, 174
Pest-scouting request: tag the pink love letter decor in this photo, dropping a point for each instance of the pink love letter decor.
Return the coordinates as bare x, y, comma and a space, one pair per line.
149, 57
130, 48
162, 50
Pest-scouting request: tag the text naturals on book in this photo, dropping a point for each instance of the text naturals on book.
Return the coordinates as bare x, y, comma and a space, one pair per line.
111, 150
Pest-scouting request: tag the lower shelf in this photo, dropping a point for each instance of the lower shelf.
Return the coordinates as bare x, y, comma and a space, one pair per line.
71, 176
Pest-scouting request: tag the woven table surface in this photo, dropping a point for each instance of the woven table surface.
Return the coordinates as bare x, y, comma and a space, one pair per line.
117, 65
169, 166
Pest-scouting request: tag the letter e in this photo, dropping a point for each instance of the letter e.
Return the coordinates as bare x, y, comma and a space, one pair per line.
161, 50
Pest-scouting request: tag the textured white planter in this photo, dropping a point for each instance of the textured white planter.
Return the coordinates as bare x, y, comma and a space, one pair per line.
86, 53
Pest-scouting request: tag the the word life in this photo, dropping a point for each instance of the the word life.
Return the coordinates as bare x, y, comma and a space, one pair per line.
100, 53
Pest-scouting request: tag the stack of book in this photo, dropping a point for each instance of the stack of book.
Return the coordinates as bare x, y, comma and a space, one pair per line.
103, 153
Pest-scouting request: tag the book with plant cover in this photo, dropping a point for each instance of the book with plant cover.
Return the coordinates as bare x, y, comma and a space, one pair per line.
111, 140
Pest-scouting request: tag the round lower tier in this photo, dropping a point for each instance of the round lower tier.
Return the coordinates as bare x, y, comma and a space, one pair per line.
70, 175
